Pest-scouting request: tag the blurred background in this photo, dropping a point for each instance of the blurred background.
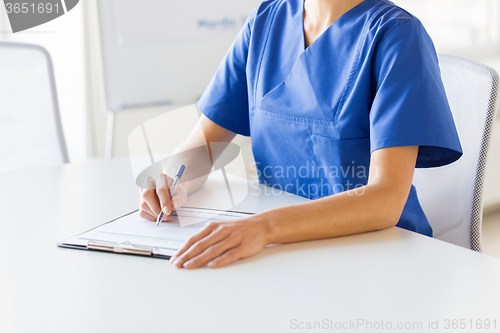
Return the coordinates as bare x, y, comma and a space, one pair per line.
467, 28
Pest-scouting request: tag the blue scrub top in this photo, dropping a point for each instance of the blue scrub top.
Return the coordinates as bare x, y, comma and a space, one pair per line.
315, 114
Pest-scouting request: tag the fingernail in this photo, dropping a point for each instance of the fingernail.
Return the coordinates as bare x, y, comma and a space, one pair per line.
211, 264
188, 264
165, 210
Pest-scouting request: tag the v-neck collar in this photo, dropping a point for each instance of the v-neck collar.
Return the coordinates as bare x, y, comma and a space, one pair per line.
359, 8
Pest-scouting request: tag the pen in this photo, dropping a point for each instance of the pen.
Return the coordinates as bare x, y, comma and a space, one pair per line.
177, 178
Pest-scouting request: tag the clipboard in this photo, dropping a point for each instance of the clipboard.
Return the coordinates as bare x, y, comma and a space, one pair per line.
119, 235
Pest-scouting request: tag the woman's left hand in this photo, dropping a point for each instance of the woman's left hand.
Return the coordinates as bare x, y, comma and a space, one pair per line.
221, 243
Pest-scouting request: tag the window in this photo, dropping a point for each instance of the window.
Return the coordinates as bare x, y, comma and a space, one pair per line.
469, 28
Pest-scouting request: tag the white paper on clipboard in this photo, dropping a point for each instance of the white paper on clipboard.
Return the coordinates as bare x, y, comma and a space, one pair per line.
132, 232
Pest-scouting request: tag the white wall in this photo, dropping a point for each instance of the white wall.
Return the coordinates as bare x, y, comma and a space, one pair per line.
64, 39
128, 120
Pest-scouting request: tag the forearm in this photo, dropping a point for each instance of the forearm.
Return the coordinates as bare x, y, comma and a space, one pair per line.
196, 153
372, 207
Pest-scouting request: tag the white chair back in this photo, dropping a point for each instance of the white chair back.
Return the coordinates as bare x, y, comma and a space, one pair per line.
30, 126
451, 196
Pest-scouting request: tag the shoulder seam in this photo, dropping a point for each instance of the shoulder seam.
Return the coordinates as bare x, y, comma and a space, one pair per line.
399, 7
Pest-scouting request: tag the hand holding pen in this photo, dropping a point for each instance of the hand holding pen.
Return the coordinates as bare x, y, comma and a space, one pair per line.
177, 178
157, 201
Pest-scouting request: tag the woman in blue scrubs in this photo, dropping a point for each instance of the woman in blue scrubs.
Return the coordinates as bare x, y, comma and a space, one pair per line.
342, 100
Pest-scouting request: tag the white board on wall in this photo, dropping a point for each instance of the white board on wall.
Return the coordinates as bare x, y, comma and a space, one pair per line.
164, 51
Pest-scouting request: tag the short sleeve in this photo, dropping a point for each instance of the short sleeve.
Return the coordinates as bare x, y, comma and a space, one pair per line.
225, 101
410, 107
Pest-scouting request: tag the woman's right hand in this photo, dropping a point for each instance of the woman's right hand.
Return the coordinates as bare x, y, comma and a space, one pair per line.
155, 196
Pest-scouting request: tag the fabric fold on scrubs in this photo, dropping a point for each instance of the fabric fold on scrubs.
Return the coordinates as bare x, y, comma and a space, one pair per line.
315, 115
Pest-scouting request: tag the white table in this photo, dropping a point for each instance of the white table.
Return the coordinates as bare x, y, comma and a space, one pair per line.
391, 275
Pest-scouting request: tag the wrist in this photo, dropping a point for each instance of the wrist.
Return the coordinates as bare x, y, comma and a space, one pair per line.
267, 225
